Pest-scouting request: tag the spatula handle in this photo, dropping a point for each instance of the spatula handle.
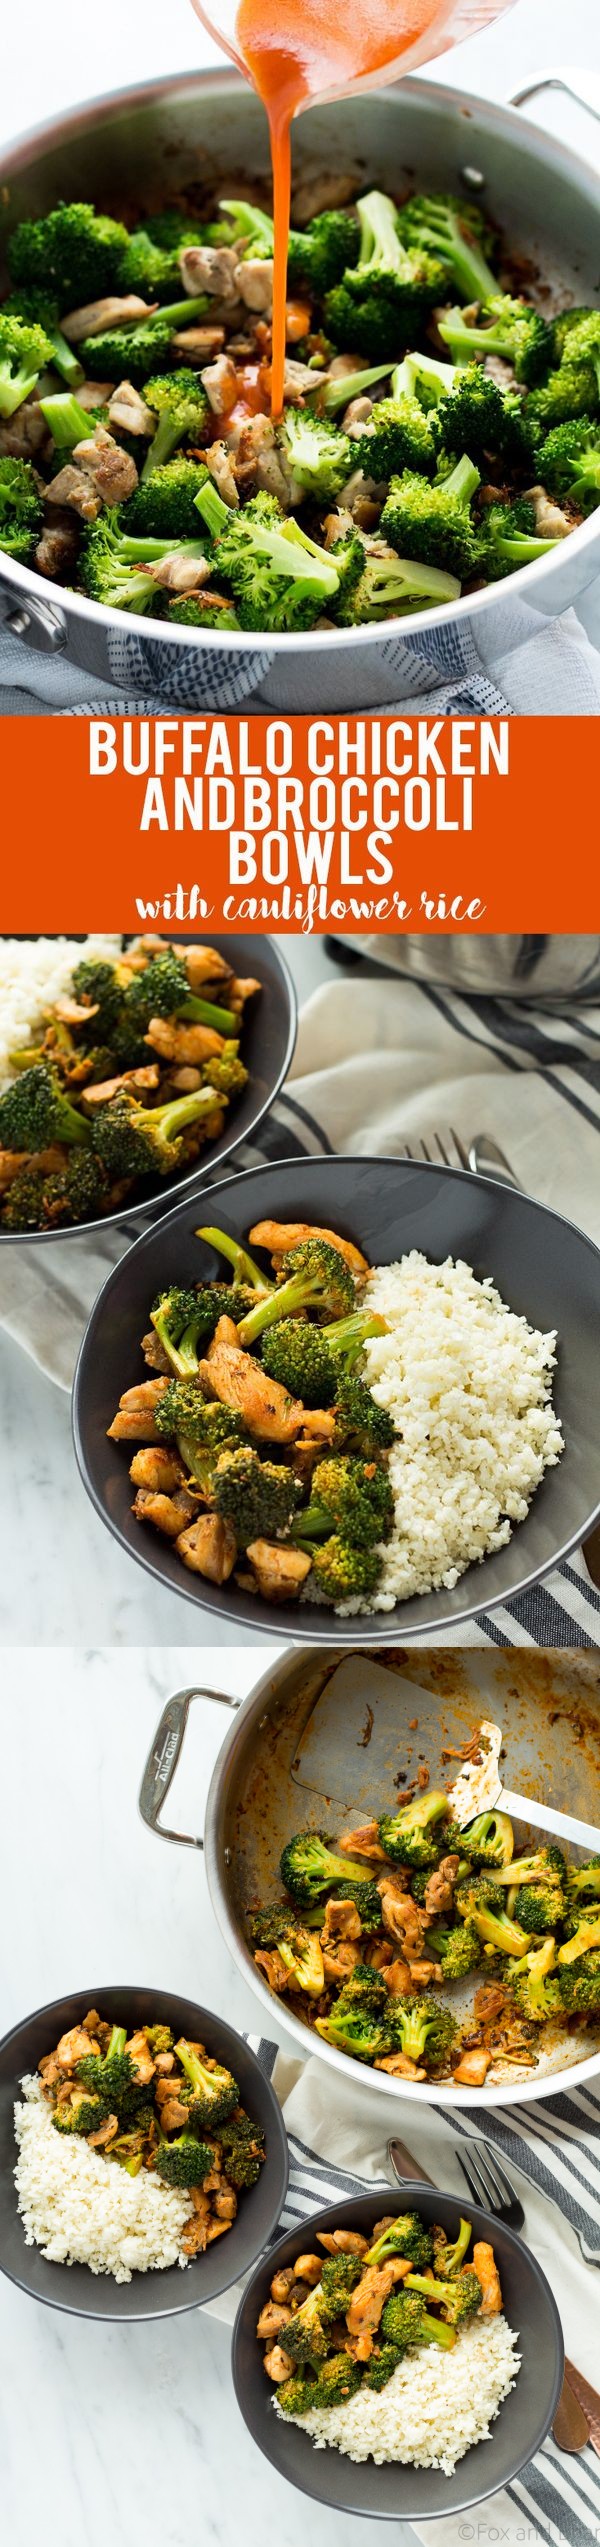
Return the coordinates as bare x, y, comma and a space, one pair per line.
546, 1817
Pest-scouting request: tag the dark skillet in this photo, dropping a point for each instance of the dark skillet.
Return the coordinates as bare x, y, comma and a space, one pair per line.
545, 1269
410, 2493
267, 1047
155, 2294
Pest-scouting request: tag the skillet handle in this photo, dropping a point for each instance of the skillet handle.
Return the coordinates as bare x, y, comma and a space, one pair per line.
163, 1757
581, 84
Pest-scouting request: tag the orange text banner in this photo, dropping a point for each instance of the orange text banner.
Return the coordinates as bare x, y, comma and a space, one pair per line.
299, 823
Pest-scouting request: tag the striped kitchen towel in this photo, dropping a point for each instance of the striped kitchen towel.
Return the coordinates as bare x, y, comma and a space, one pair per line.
337, 2140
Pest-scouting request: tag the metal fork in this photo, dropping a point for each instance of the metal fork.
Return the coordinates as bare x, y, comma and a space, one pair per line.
483, 1157
488, 2185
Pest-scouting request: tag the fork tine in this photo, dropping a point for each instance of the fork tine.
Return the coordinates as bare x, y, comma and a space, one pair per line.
507, 2189
481, 2191
440, 1146
463, 1155
473, 2189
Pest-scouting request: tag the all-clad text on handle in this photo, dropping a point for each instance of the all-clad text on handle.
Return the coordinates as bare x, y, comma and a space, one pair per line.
163, 1757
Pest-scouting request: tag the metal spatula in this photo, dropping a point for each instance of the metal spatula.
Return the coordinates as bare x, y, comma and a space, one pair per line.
478, 1789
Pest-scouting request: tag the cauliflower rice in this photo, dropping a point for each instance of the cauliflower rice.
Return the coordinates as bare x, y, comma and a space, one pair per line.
80, 2210
469, 1387
434, 2408
33, 973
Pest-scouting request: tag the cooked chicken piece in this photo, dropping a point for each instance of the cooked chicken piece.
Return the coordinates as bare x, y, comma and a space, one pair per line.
169, 1513
379, 1952
154, 1354
489, 2001
225, 2204
259, 459
277, 1236
25, 435
400, 2067
202, 963
95, 393
184, 1082
178, 574
485, 2266
272, 2321
278, 2364
281, 2285
369, 2298
100, 1091
342, 2241
95, 316
340, 1959
439, 1889
107, 2131
209, 1547
212, 270
275, 1972
74, 2046
225, 1333
308, 2268
56, 551
397, 1977
297, 379
326, 193
363, 1842
195, 1044
318, 1424
218, 461
76, 488
195, 2235
550, 521
141, 2057
241, 989
280, 1571
196, 346
172, 2115
357, 415
422, 1972
240, 1382
472, 2069
159, 1469
112, 470
359, 2347
253, 282
128, 411
10, 1163
402, 1917
342, 1919
135, 1418
220, 382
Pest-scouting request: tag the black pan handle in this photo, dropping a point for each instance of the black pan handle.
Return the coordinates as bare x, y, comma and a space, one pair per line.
163, 1757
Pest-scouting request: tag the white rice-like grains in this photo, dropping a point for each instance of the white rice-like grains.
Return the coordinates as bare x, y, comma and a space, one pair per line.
34, 972
434, 2408
469, 1387
81, 2210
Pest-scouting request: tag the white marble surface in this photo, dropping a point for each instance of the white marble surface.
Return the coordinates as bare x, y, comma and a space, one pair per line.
110, 2437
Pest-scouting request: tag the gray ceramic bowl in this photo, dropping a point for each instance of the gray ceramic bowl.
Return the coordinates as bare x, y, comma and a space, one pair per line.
545, 1269
155, 2294
269, 1037
410, 2493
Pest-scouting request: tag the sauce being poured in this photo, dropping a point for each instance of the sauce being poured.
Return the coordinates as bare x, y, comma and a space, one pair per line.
295, 51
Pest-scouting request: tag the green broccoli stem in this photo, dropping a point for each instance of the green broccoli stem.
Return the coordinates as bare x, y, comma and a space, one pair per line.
337, 393
244, 1268
66, 361
68, 422
164, 441
286, 548
172, 1119
463, 481
423, 371
202, 1013
313, 1523
251, 224
379, 240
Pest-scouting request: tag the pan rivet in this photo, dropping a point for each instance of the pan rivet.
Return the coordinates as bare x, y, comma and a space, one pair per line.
474, 178
227, 1856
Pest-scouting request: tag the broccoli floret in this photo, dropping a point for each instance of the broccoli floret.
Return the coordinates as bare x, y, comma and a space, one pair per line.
361, 1425
256, 1497
243, 1266
583, 1883
280, 578
406, 2236
184, 2162
37, 306
398, 436
307, 1359
504, 1935
510, 328
320, 458
159, 2038
384, 2361
72, 252
313, 1276
434, 523
569, 464
460, 2298
295, 2395
343, 1571
137, 1140
67, 422
203, 610
21, 509
381, 302
24, 353
309, 1868
111, 2076
182, 1328
583, 344
23, 1204
211, 2095
251, 228
164, 503
149, 266
562, 329
321, 254
444, 226
510, 539
203, 1429
114, 566
299, 1950
476, 1891
570, 392
367, 1902
226, 1073
34, 1112
579, 1985
137, 352
97, 983
244, 2148
534, 1983
423, 2030
353, 2030
351, 1496
389, 585
408, 1836
478, 417
79, 2113
583, 1939
76, 1192
457, 1949
336, 2381
179, 401
334, 394
448, 2257
162, 990
540, 1883
339, 2277
308, 2340
488, 1841
405, 2322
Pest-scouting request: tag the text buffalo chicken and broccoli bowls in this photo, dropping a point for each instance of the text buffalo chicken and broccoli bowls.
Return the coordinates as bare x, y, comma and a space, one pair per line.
326, 1431
371, 1926
440, 429
135, 1065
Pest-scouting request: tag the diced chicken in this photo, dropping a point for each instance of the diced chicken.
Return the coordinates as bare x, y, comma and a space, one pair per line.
183, 1043
100, 1091
25, 435
195, 2235
74, 2046
95, 393
275, 1970
342, 366
365, 2308
116, 310
423, 1971
402, 1917
196, 346
339, 1958
220, 382
127, 410
184, 1082
56, 551
272, 2321
342, 1919
178, 574
218, 461
225, 2204
209, 1547
212, 270
485, 2266
240, 1382
241, 990
281, 2285
342, 2241
135, 1418
141, 2057
260, 461
472, 2069
160, 1469
326, 193
107, 2131
254, 282
203, 964
397, 1976
363, 1842
358, 414
112, 470
277, 1236
154, 1354
278, 2364
308, 2268
297, 380
280, 1571
11, 1161
172, 2115
399, 2066
550, 521
225, 1333
76, 489
168, 1513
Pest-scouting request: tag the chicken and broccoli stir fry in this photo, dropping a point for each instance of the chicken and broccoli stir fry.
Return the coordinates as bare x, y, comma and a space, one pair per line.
370, 1927
438, 431
144, 2101
132, 1073
344, 2319
260, 1450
